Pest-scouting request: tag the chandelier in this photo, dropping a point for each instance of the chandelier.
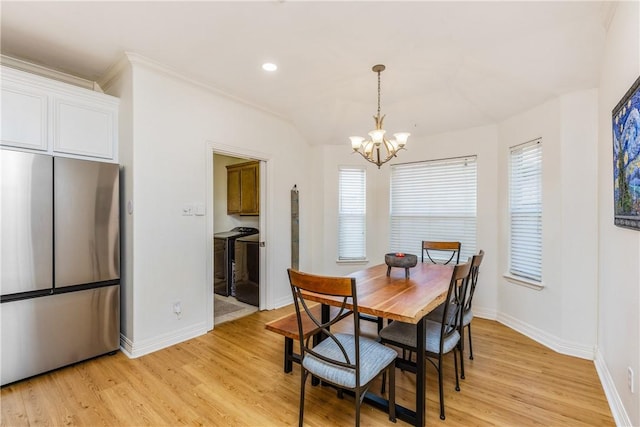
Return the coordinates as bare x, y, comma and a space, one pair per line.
371, 149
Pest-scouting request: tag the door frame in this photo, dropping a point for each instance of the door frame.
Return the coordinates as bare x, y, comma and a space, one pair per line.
229, 150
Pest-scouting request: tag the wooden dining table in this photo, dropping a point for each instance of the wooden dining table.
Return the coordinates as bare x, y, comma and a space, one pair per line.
403, 299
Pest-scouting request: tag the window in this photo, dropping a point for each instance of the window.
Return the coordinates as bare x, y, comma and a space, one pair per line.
434, 200
525, 210
352, 214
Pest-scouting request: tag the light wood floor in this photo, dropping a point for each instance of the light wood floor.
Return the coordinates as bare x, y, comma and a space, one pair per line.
233, 377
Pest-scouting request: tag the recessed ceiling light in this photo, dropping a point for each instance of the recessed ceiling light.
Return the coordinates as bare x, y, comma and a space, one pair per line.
268, 66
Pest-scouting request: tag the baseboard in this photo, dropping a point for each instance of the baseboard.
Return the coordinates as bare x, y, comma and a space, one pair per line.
553, 342
615, 402
485, 313
281, 302
140, 348
126, 346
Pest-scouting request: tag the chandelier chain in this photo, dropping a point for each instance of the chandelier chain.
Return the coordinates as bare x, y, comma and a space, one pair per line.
378, 93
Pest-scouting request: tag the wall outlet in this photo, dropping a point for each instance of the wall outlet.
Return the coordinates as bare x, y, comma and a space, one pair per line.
177, 309
631, 380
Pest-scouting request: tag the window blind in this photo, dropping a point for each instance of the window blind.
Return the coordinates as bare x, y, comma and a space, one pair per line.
525, 210
434, 200
352, 213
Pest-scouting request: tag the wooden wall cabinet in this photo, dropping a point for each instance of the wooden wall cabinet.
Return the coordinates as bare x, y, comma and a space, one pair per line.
243, 189
45, 115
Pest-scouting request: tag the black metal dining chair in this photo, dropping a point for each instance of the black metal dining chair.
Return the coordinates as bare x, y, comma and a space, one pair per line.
346, 360
438, 252
467, 314
441, 337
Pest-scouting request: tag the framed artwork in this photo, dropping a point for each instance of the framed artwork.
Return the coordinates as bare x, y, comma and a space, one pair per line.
626, 159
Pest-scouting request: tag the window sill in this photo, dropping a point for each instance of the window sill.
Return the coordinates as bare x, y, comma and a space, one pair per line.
352, 261
527, 283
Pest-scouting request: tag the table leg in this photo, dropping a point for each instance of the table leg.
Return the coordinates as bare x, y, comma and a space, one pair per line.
288, 354
421, 384
325, 313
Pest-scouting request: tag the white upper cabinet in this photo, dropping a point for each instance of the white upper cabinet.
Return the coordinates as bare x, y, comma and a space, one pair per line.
84, 127
57, 118
24, 117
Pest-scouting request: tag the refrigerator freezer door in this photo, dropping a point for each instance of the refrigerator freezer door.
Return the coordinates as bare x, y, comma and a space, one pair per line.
44, 333
86, 222
26, 222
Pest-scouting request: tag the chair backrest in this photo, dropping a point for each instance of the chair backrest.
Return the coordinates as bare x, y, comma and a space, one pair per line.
342, 287
448, 249
451, 315
476, 260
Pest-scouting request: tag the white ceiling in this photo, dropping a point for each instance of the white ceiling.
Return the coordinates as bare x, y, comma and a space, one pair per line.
450, 65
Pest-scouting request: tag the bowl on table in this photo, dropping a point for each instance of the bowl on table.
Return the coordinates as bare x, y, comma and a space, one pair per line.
400, 260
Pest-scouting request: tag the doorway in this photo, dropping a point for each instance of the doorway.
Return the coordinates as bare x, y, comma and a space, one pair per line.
235, 237
236, 274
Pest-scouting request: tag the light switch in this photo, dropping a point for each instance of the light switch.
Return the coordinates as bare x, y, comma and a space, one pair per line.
187, 210
199, 209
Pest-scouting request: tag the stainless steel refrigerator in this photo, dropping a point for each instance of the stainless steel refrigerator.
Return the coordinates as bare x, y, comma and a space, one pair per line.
60, 262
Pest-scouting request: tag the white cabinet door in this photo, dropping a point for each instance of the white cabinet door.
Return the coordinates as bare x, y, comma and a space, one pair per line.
84, 128
24, 117
43, 114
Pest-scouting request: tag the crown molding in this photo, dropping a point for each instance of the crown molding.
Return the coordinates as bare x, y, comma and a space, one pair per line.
40, 70
139, 60
114, 71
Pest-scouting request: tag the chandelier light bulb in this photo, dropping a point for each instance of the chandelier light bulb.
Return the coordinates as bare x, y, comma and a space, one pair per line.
377, 135
401, 137
368, 148
356, 142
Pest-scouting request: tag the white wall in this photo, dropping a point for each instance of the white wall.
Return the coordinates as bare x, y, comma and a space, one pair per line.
563, 314
173, 121
579, 220
619, 249
121, 86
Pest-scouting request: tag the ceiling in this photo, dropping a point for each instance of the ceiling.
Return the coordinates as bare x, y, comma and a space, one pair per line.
450, 65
